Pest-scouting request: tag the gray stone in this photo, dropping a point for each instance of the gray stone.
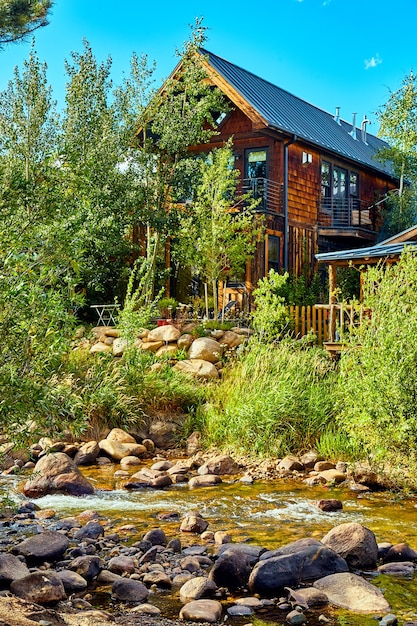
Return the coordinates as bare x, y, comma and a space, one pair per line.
207, 480
56, 473
87, 566
202, 611
11, 568
72, 581
355, 543
39, 587
231, 570
87, 453
46, 546
219, 465
196, 588
128, 590
121, 565
353, 593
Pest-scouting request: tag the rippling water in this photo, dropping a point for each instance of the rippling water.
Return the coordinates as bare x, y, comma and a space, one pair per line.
268, 514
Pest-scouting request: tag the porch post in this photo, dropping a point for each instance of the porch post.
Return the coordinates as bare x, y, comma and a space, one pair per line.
332, 300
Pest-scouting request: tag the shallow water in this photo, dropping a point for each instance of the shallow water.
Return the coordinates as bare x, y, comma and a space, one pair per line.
270, 514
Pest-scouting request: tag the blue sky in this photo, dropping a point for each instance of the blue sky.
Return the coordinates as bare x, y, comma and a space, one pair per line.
347, 53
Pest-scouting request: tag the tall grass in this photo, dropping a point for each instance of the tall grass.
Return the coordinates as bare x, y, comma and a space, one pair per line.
276, 399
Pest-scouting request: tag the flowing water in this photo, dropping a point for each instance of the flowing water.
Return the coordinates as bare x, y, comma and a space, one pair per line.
270, 514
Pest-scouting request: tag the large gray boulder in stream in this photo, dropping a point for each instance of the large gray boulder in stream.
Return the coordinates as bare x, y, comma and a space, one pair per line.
302, 560
231, 570
47, 546
57, 473
355, 543
353, 593
39, 587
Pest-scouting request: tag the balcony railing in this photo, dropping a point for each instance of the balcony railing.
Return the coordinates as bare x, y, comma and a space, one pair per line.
268, 191
346, 213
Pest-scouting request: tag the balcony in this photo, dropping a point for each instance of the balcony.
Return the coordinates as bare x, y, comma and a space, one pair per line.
269, 192
346, 217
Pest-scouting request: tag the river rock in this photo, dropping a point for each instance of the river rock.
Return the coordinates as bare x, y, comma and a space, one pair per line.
231, 339
329, 505
167, 334
160, 579
231, 570
118, 451
100, 347
146, 609
220, 464
193, 523
332, 476
207, 480
121, 565
307, 598
202, 611
72, 581
91, 530
353, 593
156, 537
11, 568
400, 552
355, 543
185, 341
198, 368
252, 552
150, 346
196, 588
56, 473
290, 463
47, 546
120, 436
206, 349
39, 587
128, 590
87, 453
302, 560
87, 566
130, 461
402, 568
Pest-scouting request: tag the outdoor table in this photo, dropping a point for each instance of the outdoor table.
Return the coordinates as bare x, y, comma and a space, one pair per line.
106, 313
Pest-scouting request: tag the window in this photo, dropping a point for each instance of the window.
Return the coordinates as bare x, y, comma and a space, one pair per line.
274, 253
256, 163
338, 185
325, 179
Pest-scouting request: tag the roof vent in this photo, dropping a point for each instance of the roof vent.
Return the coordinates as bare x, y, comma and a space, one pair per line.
353, 131
365, 121
337, 116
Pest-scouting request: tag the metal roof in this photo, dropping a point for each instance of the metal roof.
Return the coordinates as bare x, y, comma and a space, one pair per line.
285, 112
379, 251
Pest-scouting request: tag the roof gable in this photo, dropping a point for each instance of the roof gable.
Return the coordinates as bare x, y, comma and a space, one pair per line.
280, 110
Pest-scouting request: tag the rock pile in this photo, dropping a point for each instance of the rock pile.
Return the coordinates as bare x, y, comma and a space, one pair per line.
204, 354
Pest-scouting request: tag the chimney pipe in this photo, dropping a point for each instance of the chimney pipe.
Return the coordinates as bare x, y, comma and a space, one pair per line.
365, 121
353, 131
337, 116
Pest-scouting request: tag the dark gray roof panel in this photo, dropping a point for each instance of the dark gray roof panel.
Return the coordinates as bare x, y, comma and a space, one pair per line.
285, 112
379, 251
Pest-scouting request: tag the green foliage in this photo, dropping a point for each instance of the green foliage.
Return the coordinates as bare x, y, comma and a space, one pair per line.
167, 306
302, 290
270, 319
378, 377
276, 399
400, 212
19, 18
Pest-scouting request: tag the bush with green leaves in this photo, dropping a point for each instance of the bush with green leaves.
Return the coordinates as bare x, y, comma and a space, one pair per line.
276, 399
270, 319
378, 373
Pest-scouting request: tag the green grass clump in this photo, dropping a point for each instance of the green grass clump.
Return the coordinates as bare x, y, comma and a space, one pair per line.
276, 399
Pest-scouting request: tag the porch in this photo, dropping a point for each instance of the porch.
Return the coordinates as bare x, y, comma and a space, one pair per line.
347, 217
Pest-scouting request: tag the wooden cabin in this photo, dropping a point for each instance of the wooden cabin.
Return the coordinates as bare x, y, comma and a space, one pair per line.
320, 185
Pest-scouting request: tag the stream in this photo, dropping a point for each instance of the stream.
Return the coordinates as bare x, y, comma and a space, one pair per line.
270, 514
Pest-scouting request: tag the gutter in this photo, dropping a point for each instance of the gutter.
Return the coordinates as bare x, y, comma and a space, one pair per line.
286, 226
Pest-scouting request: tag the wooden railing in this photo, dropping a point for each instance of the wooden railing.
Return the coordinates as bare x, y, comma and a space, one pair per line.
325, 320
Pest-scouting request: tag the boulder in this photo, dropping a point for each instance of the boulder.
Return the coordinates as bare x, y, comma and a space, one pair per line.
160, 579
355, 543
353, 593
39, 587
307, 598
302, 560
121, 565
208, 480
118, 451
402, 568
196, 588
120, 436
166, 334
221, 464
231, 570
156, 537
329, 505
56, 473
193, 523
100, 347
87, 453
128, 590
332, 476
199, 368
231, 339
202, 611
47, 546
87, 566
252, 552
166, 351
185, 341
130, 461
206, 349
119, 346
400, 552
11, 568
72, 581
290, 463
91, 530
150, 346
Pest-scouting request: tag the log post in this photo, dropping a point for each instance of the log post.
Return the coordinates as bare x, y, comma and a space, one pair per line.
332, 300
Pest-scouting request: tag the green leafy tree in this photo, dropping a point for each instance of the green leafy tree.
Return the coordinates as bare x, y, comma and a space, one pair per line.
218, 233
101, 185
19, 18
181, 115
378, 375
36, 266
270, 318
398, 126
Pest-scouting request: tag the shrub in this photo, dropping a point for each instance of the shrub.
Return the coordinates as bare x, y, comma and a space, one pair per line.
378, 378
270, 319
275, 400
